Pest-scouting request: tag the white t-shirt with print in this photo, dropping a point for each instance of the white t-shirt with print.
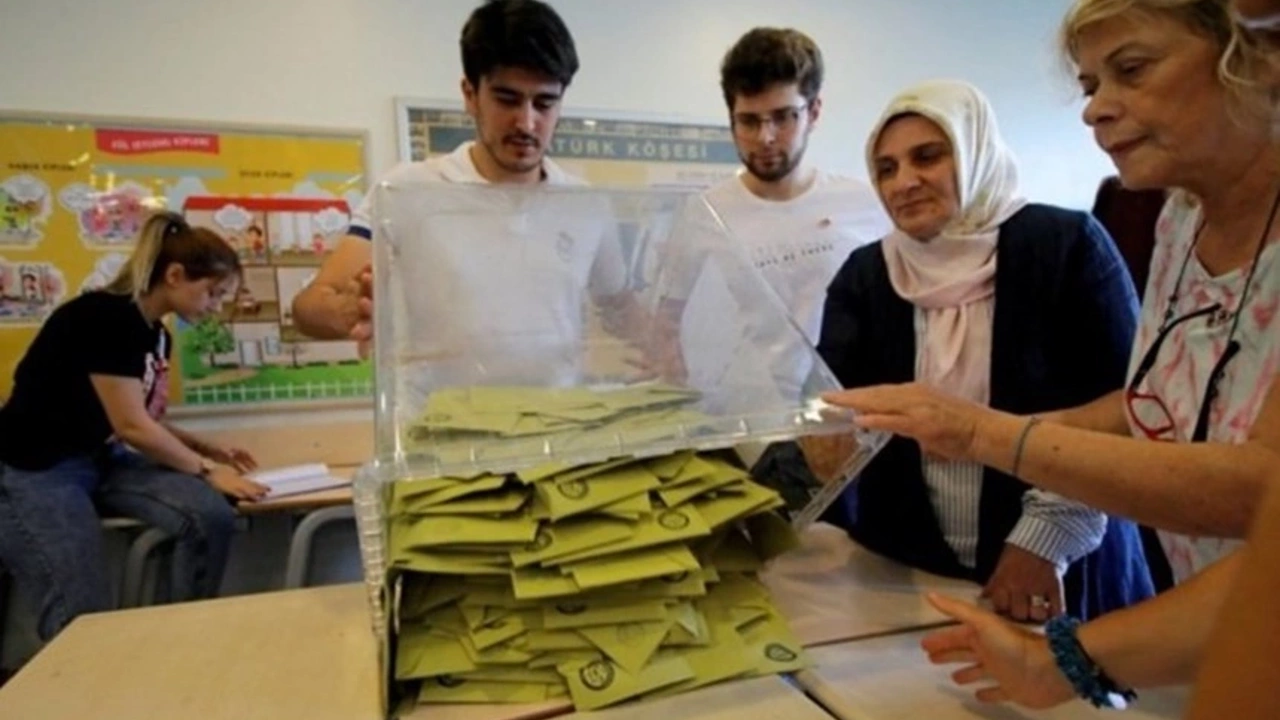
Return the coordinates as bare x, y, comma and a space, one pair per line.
502, 278
797, 246
1180, 374
800, 244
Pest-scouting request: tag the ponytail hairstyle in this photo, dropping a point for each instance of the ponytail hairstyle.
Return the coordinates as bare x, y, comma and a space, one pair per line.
166, 238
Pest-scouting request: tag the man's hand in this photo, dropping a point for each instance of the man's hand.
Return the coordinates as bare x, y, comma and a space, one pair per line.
826, 455
660, 354
358, 304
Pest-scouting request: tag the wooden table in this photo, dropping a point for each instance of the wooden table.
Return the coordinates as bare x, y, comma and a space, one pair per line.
307, 654
833, 590
889, 678
542, 711
311, 654
767, 698
296, 654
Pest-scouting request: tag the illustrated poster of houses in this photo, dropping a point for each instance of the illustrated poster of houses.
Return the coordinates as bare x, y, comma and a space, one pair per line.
305, 235
250, 351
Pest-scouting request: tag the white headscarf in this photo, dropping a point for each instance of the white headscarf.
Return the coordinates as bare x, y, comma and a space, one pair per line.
952, 277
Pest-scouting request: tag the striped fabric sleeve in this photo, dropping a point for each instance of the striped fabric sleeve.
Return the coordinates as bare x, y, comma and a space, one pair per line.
1057, 529
955, 491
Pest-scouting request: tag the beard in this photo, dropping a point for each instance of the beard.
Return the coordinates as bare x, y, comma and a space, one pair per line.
773, 171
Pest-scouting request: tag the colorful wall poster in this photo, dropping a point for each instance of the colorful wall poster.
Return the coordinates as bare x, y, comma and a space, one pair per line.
602, 148
25, 205
74, 192
28, 291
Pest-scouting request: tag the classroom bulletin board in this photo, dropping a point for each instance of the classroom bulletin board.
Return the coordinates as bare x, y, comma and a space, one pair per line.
74, 192
602, 147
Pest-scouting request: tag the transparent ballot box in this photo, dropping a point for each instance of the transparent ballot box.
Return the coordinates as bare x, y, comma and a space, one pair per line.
585, 366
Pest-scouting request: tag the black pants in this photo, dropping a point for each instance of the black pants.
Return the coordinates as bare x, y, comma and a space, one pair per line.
782, 468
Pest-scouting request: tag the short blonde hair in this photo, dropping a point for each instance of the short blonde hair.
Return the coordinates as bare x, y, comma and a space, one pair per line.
1242, 62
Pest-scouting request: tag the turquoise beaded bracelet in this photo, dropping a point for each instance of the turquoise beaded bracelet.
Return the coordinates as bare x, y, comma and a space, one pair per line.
1089, 680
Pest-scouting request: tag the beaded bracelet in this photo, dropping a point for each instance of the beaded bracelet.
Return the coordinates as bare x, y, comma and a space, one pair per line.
1089, 681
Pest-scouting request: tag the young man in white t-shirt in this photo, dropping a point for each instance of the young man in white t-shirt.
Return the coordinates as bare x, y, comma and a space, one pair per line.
518, 59
796, 224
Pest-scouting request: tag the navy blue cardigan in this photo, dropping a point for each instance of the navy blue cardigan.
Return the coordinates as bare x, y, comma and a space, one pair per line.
1065, 316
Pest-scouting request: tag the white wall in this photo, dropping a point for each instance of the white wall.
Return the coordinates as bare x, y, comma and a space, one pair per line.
340, 63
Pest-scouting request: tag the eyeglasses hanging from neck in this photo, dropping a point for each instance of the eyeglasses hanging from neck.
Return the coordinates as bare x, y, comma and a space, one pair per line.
1163, 429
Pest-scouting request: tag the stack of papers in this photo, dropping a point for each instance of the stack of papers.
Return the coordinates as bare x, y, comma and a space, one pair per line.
296, 479
519, 421
622, 579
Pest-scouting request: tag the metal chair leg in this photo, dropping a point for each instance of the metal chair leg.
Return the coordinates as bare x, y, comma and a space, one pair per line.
299, 562
135, 566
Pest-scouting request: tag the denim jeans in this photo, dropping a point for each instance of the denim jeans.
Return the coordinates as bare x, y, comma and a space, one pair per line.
51, 538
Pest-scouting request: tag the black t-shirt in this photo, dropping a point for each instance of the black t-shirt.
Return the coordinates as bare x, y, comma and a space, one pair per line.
54, 413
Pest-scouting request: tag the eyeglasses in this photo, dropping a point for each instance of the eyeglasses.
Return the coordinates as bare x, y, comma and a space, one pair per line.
783, 120
1148, 410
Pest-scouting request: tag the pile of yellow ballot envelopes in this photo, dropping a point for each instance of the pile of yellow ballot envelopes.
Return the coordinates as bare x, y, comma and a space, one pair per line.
603, 582
516, 422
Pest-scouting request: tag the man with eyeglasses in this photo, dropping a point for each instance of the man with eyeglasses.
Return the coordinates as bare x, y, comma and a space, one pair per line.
795, 223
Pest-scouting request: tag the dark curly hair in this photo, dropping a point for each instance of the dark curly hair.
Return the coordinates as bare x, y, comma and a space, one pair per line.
525, 34
767, 56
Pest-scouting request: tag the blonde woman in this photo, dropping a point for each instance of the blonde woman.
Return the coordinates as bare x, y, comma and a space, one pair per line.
84, 429
1180, 97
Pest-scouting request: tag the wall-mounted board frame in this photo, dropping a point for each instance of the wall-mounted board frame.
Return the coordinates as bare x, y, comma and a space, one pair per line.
603, 147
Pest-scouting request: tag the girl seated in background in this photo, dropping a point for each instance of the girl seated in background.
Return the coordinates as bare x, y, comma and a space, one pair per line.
83, 431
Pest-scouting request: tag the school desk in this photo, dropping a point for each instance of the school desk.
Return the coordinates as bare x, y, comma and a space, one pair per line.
310, 653
832, 590
890, 678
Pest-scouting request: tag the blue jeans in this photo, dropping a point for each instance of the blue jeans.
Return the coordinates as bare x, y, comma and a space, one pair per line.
51, 538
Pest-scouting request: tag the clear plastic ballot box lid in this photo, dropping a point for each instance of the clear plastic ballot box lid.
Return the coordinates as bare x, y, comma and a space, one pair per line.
523, 328
518, 326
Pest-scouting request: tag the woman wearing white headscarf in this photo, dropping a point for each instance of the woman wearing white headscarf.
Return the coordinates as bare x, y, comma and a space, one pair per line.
1018, 306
